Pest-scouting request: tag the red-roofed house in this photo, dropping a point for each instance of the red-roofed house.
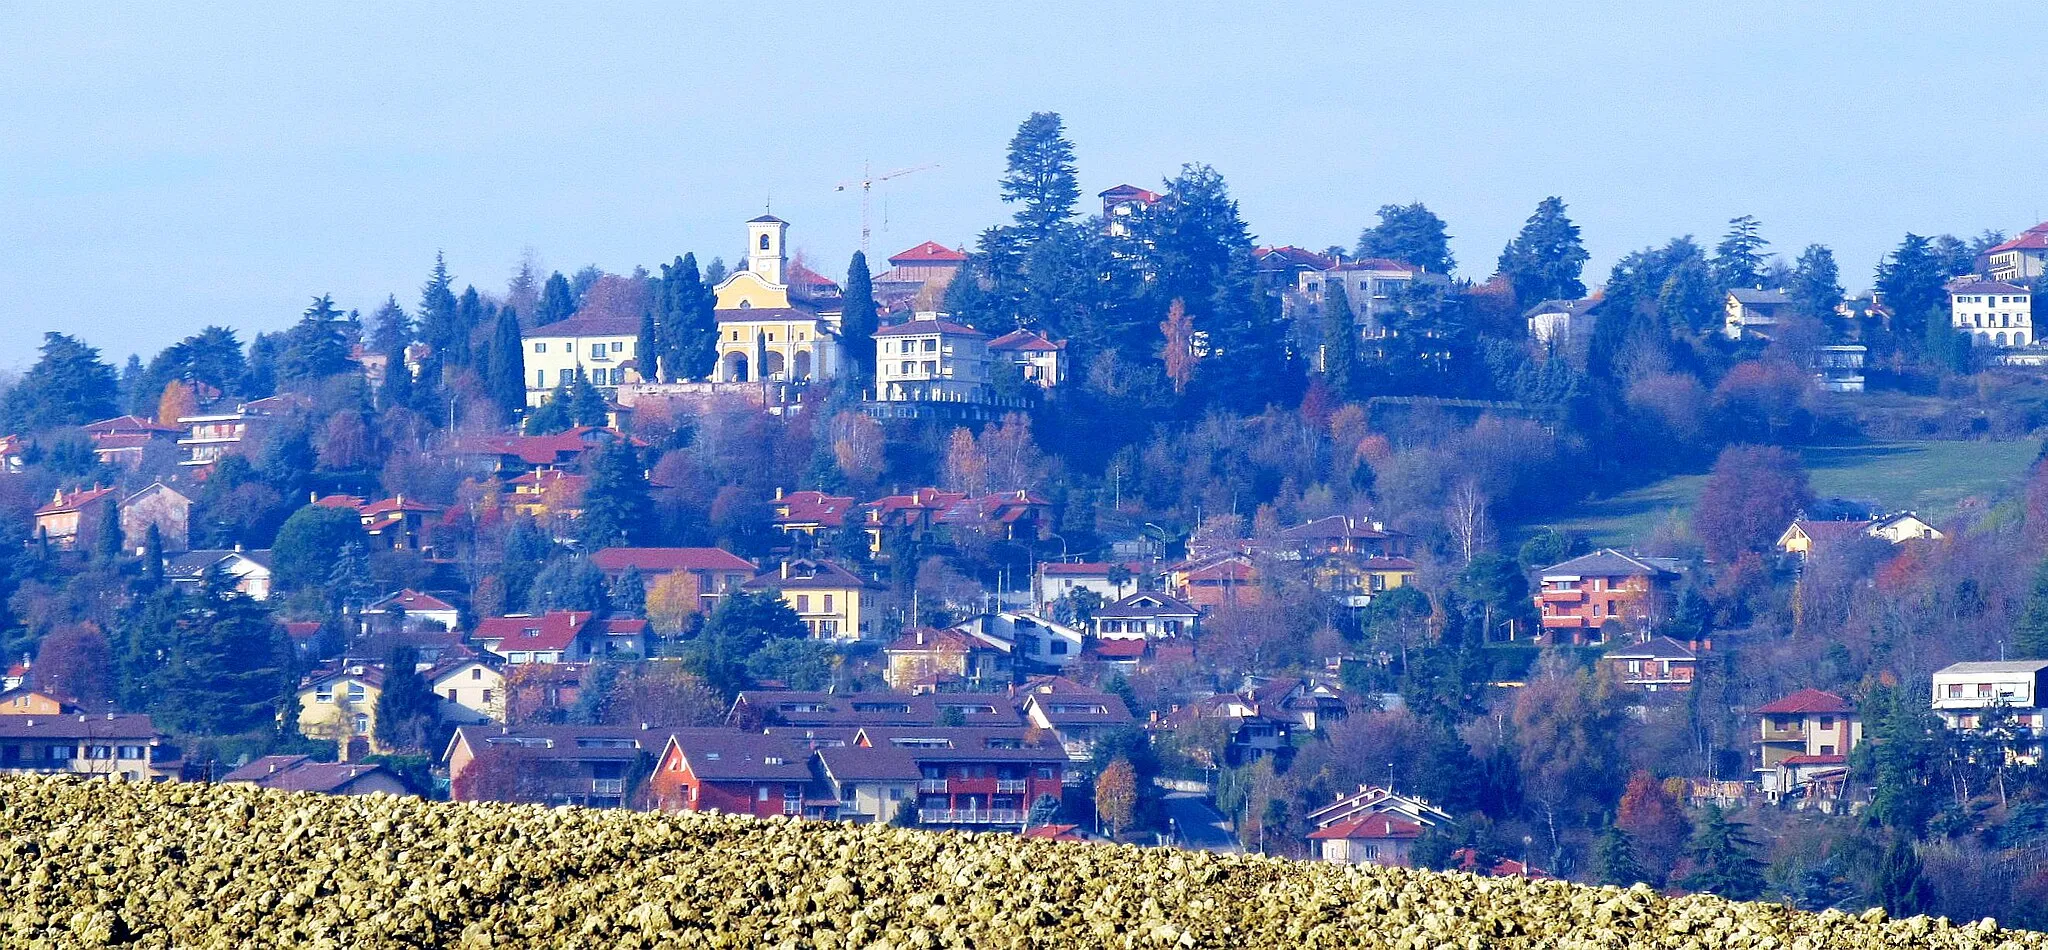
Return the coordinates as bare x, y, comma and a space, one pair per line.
923, 655
13, 450
409, 608
1058, 580
75, 514
558, 636
394, 524
2022, 258
1042, 361
1804, 739
124, 440
1992, 313
299, 773
1373, 826
930, 358
1068, 833
716, 570
1217, 581
737, 773
1123, 203
549, 495
809, 512
509, 454
912, 514
930, 264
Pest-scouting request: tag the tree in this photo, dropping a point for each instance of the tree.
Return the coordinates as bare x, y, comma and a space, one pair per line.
557, 301
153, 558
507, 364
1614, 859
1689, 300
1044, 809
858, 322
310, 542
569, 583
587, 406
799, 664
671, 602
440, 325
1179, 352
646, 351
1199, 251
1654, 824
742, 625
397, 390
1723, 859
314, 348
629, 593
1750, 495
224, 671
1913, 281
390, 327
1816, 282
1411, 234
1544, 261
1116, 795
176, 402
1738, 259
687, 325
1040, 175
75, 663
553, 415
407, 706
2030, 632
70, 385
618, 509
1902, 889
1340, 342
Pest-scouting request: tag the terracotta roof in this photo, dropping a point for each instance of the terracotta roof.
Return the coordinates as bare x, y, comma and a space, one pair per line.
1129, 191
804, 573
1814, 759
1986, 287
554, 630
74, 500
126, 425
585, 325
540, 449
1831, 530
920, 325
1053, 833
815, 507
1081, 708
930, 252
1081, 568
2032, 239
78, 726
298, 773
395, 505
669, 560
411, 601
1113, 649
1371, 827
923, 639
1389, 564
301, 629
1808, 700
1026, 340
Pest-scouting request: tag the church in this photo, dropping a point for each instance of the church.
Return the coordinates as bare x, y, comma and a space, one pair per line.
776, 321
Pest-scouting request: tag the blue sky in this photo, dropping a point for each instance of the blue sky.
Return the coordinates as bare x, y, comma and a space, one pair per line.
161, 169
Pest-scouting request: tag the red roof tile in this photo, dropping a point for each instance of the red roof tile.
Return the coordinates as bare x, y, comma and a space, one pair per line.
1808, 701
1027, 340
669, 560
2032, 239
554, 630
1372, 827
73, 500
930, 252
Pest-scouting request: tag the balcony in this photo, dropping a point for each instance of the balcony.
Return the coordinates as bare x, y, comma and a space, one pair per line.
935, 786
970, 816
612, 787
1564, 596
1564, 622
1783, 735
1011, 786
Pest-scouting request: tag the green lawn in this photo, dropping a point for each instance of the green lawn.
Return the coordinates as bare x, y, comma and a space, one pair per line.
1932, 478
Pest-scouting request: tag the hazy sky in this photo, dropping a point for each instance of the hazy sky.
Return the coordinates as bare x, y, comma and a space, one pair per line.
161, 169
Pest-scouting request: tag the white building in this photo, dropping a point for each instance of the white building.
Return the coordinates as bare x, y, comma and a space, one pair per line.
1992, 313
1370, 286
931, 359
1041, 361
1972, 695
1749, 313
1561, 321
2022, 258
603, 348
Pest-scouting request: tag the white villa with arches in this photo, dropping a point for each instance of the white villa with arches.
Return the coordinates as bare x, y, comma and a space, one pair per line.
1992, 313
765, 333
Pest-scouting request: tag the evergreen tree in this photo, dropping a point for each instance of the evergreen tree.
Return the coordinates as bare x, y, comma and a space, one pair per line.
440, 327
152, 558
226, 664
1411, 234
1724, 860
507, 378
1914, 284
629, 593
314, 348
1738, 259
1544, 261
646, 354
1340, 342
213, 356
106, 539
470, 313
131, 378
1816, 282
1614, 859
1689, 301
569, 583
1040, 175
618, 508
699, 302
68, 386
390, 327
260, 379
1044, 809
1905, 749
586, 405
143, 639
1901, 887
858, 322
350, 584
1200, 254
407, 706
557, 300
1944, 348
396, 390
309, 544
552, 416
2030, 633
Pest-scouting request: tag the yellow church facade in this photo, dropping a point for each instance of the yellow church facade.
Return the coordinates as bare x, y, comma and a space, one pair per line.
764, 333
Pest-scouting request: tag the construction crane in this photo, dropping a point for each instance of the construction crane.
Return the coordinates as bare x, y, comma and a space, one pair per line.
867, 182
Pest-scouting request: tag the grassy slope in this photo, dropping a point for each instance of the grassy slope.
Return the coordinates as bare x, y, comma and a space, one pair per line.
1936, 479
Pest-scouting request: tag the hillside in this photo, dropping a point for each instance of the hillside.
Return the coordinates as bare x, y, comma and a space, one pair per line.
1937, 479
91, 864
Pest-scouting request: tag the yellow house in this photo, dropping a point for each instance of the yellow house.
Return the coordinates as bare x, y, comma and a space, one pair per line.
828, 597
603, 348
766, 333
339, 705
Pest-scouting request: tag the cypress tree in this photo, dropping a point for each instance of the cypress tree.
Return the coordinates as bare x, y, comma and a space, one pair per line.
153, 558
1340, 341
557, 300
645, 355
469, 314
407, 706
508, 365
586, 405
397, 387
858, 321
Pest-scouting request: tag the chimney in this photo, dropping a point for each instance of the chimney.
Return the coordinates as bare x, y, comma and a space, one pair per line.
920, 637
785, 570
778, 493
312, 496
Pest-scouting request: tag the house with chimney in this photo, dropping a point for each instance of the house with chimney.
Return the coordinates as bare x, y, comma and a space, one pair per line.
1373, 826
927, 659
1076, 717
72, 518
472, 688
120, 746
1040, 360
1146, 615
809, 513
250, 569
162, 507
300, 773
560, 636
737, 773
715, 570
391, 524
125, 441
2023, 258
827, 597
1806, 536
338, 704
975, 778
1803, 744
1653, 664
409, 610
590, 766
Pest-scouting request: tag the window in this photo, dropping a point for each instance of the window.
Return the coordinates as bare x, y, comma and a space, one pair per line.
1983, 690
618, 347
803, 603
476, 672
132, 752
99, 752
1059, 648
761, 792
931, 346
569, 347
356, 693
1370, 852
61, 753
567, 376
1827, 722
828, 603
540, 379
1827, 750
1045, 772
540, 347
362, 724
451, 694
764, 246
1955, 690
324, 694
487, 697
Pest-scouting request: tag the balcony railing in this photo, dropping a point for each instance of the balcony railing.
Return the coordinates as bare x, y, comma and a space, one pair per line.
608, 786
935, 786
1783, 735
1010, 786
1564, 596
970, 816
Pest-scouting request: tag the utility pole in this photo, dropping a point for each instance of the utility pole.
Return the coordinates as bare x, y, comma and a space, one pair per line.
867, 181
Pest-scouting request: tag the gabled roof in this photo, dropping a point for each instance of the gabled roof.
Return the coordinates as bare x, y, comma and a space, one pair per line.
963, 743
2032, 239
929, 640
1289, 254
1986, 287
814, 507
79, 726
1147, 604
806, 573
157, 488
1129, 191
75, 500
298, 773
1053, 833
812, 709
1573, 307
930, 252
127, 425
853, 763
1607, 562
585, 325
1808, 700
371, 674
729, 755
192, 564
923, 324
766, 219
1369, 827
1754, 297
554, 630
1831, 530
669, 560
1079, 708
411, 601
1340, 527
1655, 648
1030, 341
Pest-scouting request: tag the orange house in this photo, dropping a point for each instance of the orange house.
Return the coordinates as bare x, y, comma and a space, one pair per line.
1581, 596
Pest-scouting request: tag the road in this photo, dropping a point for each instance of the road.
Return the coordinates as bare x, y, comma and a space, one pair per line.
1199, 824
